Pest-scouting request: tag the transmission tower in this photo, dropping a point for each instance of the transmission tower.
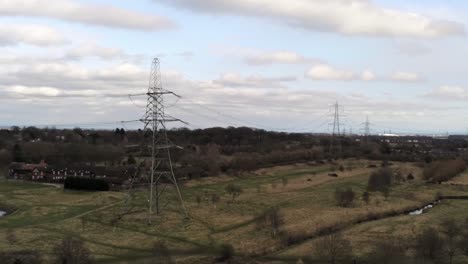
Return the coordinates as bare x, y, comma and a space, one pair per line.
336, 132
366, 128
161, 175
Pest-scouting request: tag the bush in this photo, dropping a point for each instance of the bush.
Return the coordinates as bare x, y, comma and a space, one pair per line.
88, 184
380, 180
271, 220
284, 181
161, 254
333, 249
410, 177
72, 251
341, 168
388, 252
215, 199
366, 197
20, 257
440, 171
233, 190
225, 253
452, 231
429, 244
344, 197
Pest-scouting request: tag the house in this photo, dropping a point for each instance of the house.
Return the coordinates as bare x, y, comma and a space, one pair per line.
42, 172
28, 171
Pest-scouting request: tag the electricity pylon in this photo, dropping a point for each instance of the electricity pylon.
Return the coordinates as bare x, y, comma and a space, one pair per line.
336, 132
366, 128
161, 174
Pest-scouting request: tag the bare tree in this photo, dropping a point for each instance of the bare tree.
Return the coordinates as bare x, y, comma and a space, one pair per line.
333, 249
215, 199
429, 244
271, 220
11, 237
161, 254
366, 197
20, 257
284, 181
344, 197
452, 232
388, 251
72, 251
233, 190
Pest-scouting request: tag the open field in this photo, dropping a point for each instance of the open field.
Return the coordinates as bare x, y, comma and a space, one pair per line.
304, 194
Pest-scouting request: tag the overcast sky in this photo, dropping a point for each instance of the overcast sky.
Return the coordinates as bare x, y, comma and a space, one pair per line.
275, 65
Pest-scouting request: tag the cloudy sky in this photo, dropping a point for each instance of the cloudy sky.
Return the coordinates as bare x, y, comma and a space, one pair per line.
275, 65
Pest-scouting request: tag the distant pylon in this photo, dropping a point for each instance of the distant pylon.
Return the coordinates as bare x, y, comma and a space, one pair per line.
336, 132
366, 128
161, 174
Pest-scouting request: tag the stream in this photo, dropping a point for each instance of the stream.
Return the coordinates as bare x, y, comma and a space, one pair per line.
423, 209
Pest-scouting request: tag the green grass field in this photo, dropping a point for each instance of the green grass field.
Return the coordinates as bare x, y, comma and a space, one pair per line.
43, 215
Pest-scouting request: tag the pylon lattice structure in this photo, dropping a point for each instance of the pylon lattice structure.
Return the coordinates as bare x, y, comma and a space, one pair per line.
335, 143
161, 174
366, 128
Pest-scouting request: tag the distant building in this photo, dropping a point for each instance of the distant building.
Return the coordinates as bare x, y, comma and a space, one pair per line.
42, 172
27, 171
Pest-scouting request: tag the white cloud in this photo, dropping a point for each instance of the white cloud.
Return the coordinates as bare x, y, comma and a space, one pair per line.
248, 98
448, 92
14, 34
24, 90
405, 77
237, 80
119, 78
71, 10
368, 75
327, 72
94, 50
350, 17
278, 57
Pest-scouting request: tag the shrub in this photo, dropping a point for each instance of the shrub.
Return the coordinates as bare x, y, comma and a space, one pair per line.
20, 257
225, 253
271, 220
388, 252
72, 251
284, 181
161, 254
380, 180
366, 197
386, 193
440, 171
344, 197
233, 190
410, 177
429, 244
11, 237
88, 184
452, 231
333, 249
215, 199
341, 168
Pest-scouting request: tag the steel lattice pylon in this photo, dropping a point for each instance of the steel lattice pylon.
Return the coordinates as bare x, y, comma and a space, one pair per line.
161, 173
336, 132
